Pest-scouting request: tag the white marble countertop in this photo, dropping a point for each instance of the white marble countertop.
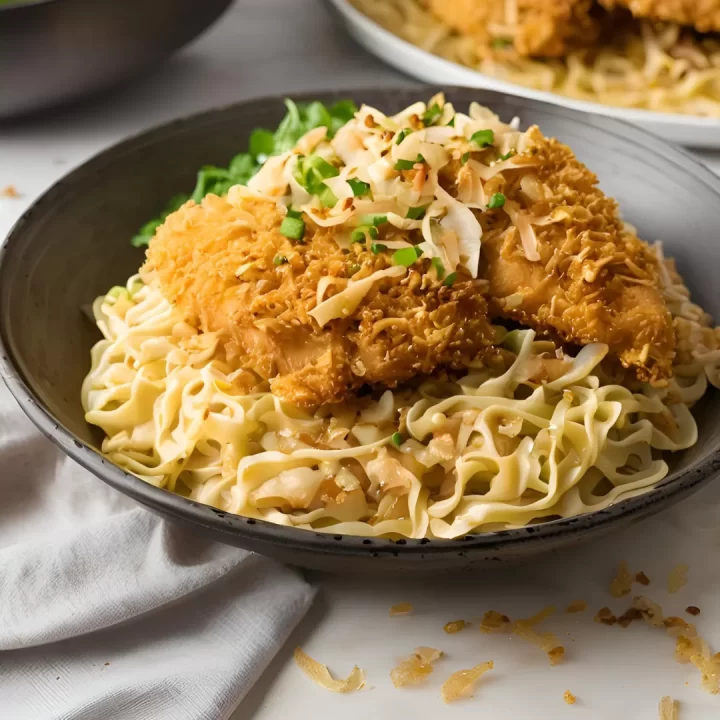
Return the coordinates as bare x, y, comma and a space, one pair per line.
272, 46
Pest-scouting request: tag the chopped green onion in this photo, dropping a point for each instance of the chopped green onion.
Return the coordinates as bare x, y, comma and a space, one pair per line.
377, 248
507, 155
439, 267
432, 115
397, 439
406, 256
496, 201
499, 43
465, 157
292, 228
327, 197
321, 166
353, 269
452, 122
402, 135
450, 279
358, 234
358, 187
279, 260
297, 214
483, 138
409, 164
375, 220
416, 213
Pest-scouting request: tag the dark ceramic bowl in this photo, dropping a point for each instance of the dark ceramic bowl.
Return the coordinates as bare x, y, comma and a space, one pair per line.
57, 50
72, 245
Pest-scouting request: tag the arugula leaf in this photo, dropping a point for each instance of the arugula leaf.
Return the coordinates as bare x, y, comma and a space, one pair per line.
262, 144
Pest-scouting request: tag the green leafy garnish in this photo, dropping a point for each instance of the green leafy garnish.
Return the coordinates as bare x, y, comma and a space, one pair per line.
507, 155
262, 144
407, 256
353, 269
359, 187
439, 267
416, 213
279, 260
432, 115
377, 248
402, 135
397, 439
483, 138
450, 279
496, 201
409, 164
375, 220
292, 228
465, 157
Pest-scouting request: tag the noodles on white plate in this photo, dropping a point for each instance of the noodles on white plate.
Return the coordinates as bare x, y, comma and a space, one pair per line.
548, 437
654, 66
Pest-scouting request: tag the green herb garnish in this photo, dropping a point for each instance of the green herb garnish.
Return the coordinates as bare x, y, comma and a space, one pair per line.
465, 157
359, 187
298, 120
409, 164
507, 155
431, 115
402, 135
353, 269
416, 213
279, 260
483, 138
293, 228
496, 201
407, 256
397, 439
450, 279
377, 248
439, 267
500, 43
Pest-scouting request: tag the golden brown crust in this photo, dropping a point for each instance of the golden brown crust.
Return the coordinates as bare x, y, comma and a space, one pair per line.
704, 15
403, 327
543, 28
595, 280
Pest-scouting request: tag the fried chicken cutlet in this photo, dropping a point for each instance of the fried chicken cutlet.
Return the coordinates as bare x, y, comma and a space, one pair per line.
704, 15
413, 231
231, 271
536, 28
559, 259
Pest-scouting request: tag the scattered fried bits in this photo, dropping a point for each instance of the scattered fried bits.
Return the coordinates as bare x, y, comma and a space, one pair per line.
416, 668
545, 641
692, 610
622, 582
605, 616
320, 674
576, 606
678, 578
494, 622
642, 579
403, 608
689, 646
9, 191
668, 709
569, 698
462, 683
455, 626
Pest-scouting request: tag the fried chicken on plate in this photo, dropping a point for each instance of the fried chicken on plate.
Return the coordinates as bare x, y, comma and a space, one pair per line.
704, 15
538, 28
384, 253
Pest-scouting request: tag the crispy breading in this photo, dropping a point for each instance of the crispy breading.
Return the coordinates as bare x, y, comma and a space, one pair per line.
539, 28
704, 15
595, 280
231, 271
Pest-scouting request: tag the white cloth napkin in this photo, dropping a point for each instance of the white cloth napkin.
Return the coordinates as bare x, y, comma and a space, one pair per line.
107, 611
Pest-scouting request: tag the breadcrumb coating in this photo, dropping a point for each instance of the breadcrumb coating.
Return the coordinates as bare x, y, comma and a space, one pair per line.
704, 15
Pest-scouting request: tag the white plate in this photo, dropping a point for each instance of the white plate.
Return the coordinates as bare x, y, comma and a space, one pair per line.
684, 129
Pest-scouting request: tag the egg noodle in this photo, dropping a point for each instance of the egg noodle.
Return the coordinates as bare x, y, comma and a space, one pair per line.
546, 435
656, 66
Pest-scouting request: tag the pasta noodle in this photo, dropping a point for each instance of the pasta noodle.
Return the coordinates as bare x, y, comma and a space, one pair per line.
649, 65
483, 451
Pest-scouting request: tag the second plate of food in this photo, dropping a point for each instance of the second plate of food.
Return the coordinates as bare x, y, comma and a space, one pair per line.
662, 76
400, 332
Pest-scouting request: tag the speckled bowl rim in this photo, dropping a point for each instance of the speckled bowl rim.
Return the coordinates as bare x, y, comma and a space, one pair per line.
676, 485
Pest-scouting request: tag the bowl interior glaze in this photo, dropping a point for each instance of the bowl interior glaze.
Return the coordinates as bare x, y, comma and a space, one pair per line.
72, 245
